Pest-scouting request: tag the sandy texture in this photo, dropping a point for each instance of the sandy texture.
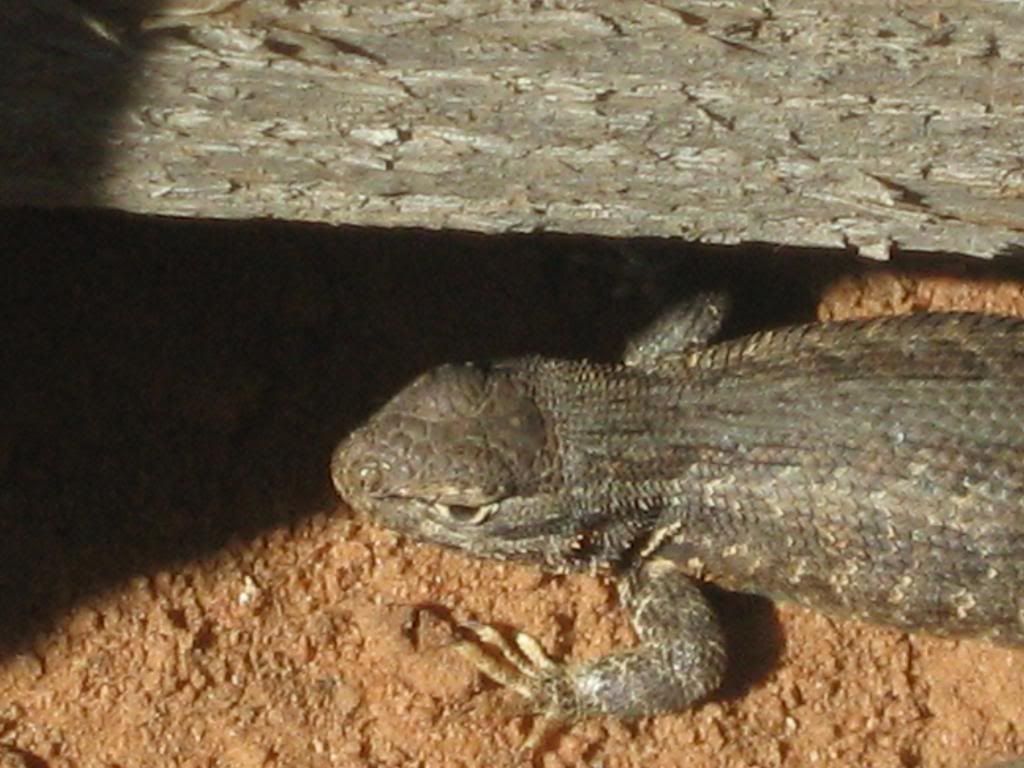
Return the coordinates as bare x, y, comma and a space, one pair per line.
181, 588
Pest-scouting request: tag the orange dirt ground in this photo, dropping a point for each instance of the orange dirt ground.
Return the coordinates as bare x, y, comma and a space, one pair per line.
181, 588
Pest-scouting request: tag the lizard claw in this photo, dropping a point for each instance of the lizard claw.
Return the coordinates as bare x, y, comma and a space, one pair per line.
523, 666
527, 655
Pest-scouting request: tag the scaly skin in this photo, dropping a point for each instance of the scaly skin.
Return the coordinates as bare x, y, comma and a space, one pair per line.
872, 469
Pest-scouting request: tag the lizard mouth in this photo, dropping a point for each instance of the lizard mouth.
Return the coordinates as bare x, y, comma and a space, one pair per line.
463, 514
452, 515
428, 518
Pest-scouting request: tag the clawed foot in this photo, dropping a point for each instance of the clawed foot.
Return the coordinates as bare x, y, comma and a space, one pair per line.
526, 668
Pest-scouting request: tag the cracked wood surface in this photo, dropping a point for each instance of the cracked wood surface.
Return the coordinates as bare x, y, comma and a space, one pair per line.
860, 124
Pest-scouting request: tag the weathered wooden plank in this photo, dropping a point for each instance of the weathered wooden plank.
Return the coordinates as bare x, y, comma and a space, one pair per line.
862, 124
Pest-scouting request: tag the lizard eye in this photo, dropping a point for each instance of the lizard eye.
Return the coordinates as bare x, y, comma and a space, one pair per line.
459, 513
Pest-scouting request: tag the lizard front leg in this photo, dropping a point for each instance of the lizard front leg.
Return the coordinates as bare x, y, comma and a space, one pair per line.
686, 326
679, 661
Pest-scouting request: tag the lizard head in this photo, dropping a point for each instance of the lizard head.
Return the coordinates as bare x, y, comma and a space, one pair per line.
461, 457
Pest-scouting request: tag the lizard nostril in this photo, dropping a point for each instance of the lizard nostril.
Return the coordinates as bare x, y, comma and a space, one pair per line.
354, 474
368, 476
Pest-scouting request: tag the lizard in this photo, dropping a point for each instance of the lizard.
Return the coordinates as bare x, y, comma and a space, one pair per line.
870, 469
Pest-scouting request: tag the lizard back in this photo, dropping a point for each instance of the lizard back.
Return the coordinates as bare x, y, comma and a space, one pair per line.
866, 468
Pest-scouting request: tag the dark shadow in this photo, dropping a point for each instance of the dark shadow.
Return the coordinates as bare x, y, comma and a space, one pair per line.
20, 757
169, 385
754, 639
67, 68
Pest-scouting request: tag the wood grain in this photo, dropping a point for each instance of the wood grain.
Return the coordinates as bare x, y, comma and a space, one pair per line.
864, 124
